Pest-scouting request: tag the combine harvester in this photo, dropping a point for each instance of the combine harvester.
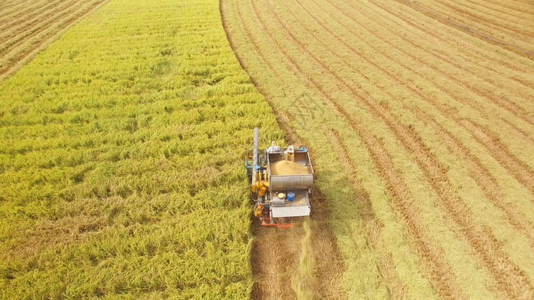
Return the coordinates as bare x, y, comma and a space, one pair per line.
281, 183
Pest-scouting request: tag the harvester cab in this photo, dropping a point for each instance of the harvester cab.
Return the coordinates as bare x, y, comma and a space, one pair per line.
280, 182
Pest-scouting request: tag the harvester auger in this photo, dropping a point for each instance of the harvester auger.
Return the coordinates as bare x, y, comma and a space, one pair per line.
280, 183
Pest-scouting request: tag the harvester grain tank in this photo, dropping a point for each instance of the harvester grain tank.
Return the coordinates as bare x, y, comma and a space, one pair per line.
281, 182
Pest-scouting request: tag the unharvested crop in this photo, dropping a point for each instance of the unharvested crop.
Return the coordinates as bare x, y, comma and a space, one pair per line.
120, 159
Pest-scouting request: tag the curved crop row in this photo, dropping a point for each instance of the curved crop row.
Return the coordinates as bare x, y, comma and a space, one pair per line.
518, 46
441, 113
459, 149
439, 277
441, 185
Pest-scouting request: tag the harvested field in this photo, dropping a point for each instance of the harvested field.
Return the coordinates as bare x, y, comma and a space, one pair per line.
421, 121
27, 27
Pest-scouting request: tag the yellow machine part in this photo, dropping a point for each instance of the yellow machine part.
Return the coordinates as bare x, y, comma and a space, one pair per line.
260, 186
258, 210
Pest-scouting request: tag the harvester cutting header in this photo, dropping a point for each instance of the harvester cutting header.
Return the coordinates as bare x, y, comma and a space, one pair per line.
280, 181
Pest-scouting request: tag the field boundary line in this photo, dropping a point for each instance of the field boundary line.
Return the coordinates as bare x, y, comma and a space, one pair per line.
304, 280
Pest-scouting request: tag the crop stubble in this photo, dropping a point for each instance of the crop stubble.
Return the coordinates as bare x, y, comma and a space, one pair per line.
27, 30
293, 34
468, 22
487, 181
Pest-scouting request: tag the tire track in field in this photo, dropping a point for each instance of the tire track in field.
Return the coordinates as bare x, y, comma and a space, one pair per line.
21, 56
323, 245
326, 258
274, 255
439, 271
511, 107
483, 242
484, 179
468, 30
